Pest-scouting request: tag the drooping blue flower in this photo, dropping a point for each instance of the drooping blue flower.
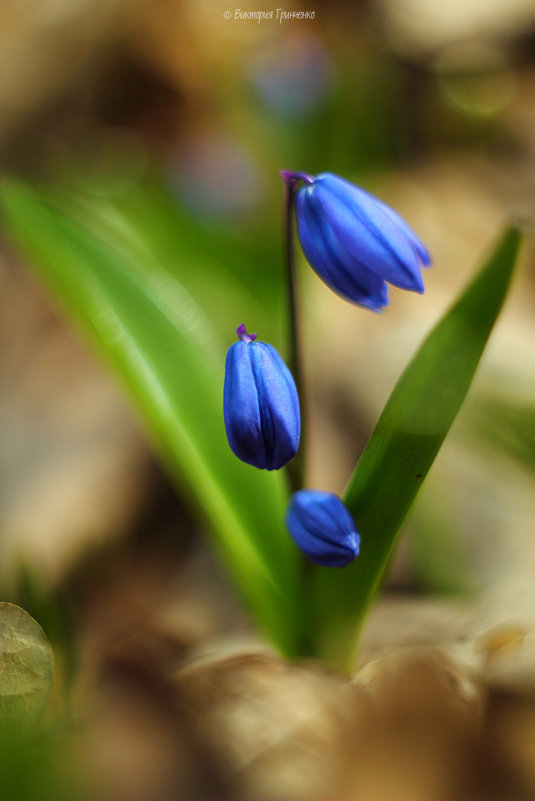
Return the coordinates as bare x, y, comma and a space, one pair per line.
323, 528
355, 242
260, 404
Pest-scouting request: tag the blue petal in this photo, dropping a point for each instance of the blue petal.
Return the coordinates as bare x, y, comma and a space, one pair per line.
241, 408
318, 551
339, 269
323, 528
421, 251
260, 406
278, 404
366, 231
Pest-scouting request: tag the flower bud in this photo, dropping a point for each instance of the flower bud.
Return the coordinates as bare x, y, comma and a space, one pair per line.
355, 242
323, 528
261, 407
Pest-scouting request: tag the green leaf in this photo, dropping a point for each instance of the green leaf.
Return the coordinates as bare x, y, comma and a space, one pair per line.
403, 446
26, 666
155, 334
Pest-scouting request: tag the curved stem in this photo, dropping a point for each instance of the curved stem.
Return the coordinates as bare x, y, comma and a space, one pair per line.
296, 468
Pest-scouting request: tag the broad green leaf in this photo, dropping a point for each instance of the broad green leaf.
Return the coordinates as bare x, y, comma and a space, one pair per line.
403, 447
26, 666
147, 222
157, 337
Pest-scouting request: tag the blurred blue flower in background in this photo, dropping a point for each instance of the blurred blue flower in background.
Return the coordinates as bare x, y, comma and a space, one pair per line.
323, 528
355, 242
260, 404
216, 177
293, 75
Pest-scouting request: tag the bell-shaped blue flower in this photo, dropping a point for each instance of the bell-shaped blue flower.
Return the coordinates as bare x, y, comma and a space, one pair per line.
323, 528
355, 242
260, 404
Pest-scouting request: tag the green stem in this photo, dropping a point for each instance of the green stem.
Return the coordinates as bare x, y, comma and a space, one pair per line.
296, 468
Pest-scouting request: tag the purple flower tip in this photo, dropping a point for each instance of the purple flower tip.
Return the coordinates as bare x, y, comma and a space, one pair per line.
243, 335
289, 177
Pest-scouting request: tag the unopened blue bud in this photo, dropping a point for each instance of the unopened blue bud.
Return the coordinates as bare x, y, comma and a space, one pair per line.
260, 404
355, 242
323, 528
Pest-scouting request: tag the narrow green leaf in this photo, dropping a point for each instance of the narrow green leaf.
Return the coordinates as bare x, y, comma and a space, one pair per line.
403, 447
156, 336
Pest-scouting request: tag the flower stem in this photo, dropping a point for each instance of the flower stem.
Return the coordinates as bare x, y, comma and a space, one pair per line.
296, 468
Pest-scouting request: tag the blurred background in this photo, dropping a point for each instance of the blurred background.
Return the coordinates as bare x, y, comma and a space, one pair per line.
182, 118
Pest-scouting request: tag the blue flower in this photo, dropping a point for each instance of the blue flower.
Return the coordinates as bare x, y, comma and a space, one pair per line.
260, 404
355, 242
323, 528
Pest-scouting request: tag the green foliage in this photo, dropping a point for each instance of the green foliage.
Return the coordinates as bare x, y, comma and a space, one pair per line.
111, 269
403, 446
148, 287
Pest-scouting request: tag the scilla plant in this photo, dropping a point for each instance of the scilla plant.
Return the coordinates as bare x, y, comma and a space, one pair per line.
307, 563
